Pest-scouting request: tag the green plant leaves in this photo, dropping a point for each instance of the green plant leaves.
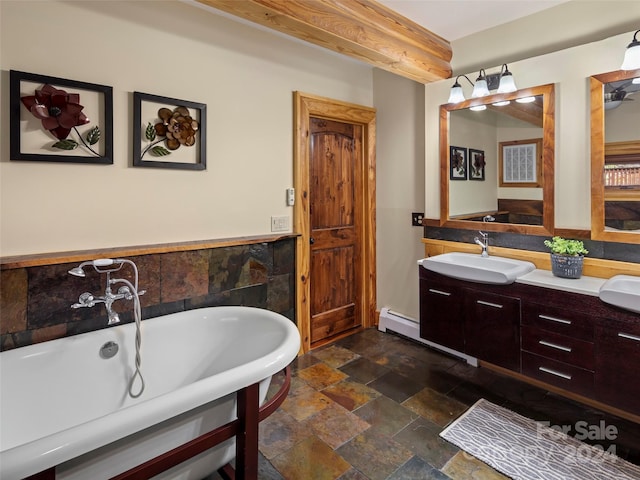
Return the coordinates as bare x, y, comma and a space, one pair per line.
93, 135
563, 246
150, 132
159, 151
66, 144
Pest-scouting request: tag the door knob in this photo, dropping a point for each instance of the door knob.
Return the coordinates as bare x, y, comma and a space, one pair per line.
312, 240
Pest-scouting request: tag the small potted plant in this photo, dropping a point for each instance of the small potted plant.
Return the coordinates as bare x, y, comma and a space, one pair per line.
566, 257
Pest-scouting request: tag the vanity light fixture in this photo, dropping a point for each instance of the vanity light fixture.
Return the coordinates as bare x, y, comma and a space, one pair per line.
456, 95
507, 83
480, 89
636, 81
482, 86
632, 54
526, 100
501, 103
478, 108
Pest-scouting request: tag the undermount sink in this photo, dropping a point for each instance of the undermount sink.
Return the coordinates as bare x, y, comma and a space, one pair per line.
476, 268
622, 291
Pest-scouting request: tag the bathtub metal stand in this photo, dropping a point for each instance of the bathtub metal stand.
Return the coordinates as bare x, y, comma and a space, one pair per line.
244, 428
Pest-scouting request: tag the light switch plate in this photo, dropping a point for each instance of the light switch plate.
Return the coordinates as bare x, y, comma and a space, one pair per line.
280, 223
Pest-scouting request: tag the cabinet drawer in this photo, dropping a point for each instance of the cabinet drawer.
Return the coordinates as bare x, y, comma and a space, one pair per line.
559, 320
565, 349
556, 373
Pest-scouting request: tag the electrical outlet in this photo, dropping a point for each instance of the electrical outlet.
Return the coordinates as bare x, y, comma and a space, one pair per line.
280, 224
416, 219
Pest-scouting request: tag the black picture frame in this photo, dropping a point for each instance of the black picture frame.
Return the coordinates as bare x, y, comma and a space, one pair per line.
30, 141
457, 163
193, 157
476, 164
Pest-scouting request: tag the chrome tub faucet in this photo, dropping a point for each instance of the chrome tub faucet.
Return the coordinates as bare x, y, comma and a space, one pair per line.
108, 266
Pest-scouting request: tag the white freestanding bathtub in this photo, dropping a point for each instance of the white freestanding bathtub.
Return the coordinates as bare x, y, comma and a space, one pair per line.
63, 405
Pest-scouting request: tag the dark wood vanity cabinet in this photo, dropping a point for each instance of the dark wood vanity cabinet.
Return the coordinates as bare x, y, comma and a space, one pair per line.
617, 378
470, 318
569, 340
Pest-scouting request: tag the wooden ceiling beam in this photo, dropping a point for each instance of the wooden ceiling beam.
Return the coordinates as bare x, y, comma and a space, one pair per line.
362, 29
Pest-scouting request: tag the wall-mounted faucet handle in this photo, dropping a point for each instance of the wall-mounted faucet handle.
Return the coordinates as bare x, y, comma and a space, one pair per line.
85, 300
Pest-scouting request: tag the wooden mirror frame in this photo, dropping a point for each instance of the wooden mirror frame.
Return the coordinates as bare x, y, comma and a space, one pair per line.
598, 231
548, 162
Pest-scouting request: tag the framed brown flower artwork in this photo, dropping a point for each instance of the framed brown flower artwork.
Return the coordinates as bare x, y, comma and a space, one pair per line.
476, 164
59, 120
168, 133
457, 163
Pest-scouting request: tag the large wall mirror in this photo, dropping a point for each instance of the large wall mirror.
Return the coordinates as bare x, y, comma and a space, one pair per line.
615, 156
497, 161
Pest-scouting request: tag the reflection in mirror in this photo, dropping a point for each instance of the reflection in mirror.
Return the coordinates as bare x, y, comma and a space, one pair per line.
508, 146
615, 156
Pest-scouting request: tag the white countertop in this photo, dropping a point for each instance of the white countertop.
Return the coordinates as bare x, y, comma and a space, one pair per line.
544, 278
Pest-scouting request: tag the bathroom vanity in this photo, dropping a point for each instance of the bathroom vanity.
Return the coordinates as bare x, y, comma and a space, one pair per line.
552, 330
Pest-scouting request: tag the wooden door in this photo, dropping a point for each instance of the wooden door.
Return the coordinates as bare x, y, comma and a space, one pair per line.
336, 233
334, 217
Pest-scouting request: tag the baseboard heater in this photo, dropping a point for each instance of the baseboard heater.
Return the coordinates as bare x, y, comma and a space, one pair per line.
399, 323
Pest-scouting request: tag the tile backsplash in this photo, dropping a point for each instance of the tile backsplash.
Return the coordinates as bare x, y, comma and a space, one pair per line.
35, 302
624, 252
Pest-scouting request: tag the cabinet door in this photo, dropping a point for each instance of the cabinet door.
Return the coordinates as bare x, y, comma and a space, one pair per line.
617, 380
492, 328
441, 314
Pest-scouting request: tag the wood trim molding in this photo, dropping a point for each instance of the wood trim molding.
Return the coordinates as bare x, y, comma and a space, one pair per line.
362, 29
305, 106
36, 260
598, 150
548, 162
615, 149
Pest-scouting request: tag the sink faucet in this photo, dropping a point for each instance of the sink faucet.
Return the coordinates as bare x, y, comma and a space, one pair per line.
484, 243
108, 266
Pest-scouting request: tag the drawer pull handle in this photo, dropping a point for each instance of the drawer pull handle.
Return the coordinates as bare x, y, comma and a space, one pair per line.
555, 345
554, 319
489, 304
439, 292
554, 372
629, 336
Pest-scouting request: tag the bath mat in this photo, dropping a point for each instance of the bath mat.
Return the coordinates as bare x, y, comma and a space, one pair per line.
526, 450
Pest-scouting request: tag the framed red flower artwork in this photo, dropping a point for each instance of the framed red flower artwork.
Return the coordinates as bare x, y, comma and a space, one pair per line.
59, 120
168, 133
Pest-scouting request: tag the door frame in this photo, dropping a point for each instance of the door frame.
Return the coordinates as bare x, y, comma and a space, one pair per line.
306, 106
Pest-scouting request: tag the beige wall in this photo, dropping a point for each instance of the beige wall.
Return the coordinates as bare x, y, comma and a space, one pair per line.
564, 26
400, 189
246, 77
569, 70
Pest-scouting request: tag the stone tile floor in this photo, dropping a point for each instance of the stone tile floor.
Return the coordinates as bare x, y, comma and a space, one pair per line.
371, 405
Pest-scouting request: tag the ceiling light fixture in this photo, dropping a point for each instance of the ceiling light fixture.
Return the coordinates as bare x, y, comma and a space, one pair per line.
632, 54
